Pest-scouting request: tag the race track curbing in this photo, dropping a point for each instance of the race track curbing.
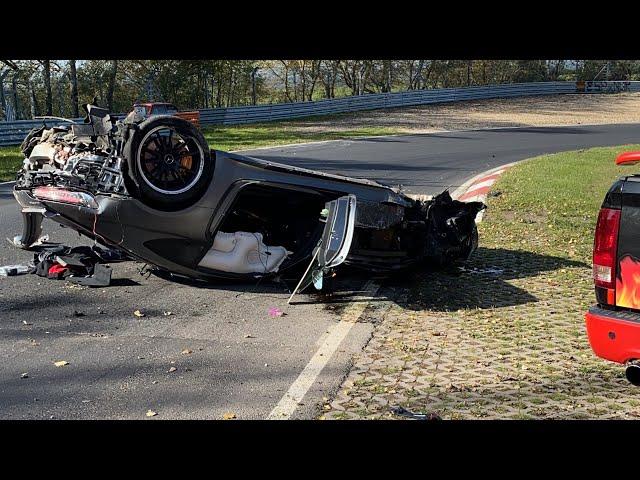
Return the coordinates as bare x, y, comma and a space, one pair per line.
476, 188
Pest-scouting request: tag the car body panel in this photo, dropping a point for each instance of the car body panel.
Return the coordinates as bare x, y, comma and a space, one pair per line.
279, 203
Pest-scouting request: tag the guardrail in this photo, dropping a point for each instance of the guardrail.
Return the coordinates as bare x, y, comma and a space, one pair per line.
12, 133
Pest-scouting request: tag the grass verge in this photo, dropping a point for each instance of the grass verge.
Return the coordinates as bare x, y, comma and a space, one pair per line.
246, 137
10, 160
504, 336
242, 137
550, 204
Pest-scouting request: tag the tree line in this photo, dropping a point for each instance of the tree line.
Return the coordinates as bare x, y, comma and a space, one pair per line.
30, 88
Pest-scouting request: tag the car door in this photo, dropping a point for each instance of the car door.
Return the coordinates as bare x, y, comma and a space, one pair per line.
334, 244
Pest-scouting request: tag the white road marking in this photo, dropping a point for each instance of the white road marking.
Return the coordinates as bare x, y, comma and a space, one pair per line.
299, 388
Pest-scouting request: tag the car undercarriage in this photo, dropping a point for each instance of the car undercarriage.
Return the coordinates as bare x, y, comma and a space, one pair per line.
152, 189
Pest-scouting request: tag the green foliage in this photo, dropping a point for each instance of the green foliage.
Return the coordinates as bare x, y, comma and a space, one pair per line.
192, 84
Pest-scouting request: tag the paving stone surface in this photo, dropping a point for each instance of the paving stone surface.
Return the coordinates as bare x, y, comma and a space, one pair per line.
501, 338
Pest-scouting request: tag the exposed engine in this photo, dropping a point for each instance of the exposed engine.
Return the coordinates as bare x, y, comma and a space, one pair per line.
77, 155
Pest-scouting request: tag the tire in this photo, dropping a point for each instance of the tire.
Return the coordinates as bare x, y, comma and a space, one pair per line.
31, 230
169, 161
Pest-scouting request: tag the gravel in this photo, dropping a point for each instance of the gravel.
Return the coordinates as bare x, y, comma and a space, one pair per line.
511, 112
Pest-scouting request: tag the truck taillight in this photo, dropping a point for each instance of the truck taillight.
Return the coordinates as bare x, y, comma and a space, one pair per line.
65, 196
605, 248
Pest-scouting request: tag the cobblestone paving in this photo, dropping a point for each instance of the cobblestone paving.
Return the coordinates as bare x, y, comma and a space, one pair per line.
503, 338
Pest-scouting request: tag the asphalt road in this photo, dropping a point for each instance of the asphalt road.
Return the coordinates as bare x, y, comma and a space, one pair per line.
429, 163
241, 360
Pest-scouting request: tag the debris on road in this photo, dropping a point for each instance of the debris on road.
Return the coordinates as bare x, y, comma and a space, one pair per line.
17, 241
403, 412
24, 375
276, 312
229, 416
186, 351
80, 265
151, 413
13, 270
482, 271
172, 369
138, 313
167, 313
61, 363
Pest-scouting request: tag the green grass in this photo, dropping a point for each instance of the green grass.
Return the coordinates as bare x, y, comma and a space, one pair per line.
549, 204
10, 160
243, 137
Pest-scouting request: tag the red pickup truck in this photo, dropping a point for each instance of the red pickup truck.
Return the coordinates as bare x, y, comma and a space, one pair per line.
613, 325
150, 109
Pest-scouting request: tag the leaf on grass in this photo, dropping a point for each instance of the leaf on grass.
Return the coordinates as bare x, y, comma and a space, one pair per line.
138, 313
61, 363
151, 413
229, 416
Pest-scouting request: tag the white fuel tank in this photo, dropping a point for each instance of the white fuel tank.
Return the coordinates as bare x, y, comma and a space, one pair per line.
243, 252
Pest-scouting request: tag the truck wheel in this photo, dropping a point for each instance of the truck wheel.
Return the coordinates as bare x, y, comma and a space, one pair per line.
170, 162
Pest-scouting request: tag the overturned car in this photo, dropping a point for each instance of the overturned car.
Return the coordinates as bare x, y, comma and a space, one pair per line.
153, 189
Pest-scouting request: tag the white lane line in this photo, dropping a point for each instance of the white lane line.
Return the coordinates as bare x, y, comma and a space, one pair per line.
298, 389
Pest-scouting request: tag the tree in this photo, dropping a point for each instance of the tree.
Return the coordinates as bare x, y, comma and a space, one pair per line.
112, 84
46, 64
73, 80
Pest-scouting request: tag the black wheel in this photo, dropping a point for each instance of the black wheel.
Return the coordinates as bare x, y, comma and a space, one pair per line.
170, 162
31, 230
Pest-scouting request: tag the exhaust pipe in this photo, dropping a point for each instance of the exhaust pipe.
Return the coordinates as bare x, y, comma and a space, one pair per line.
633, 372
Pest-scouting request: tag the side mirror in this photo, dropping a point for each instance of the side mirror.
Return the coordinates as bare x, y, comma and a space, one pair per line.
628, 158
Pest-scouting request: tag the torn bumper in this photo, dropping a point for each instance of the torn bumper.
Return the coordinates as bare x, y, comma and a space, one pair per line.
614, 335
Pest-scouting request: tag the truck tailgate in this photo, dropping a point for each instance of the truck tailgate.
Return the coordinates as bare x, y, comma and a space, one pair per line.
628, 252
